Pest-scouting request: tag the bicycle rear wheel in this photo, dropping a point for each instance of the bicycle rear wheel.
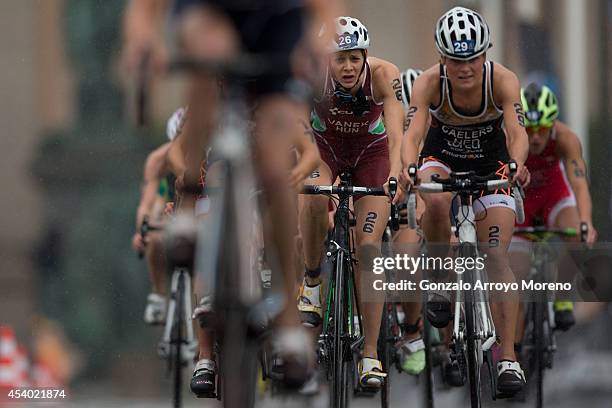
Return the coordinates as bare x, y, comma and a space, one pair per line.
385, 351
538, 327
177, 340
429, 386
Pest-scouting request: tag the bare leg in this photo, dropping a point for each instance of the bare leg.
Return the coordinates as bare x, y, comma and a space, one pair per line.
495, 232
276, 118
371, 215
314, 220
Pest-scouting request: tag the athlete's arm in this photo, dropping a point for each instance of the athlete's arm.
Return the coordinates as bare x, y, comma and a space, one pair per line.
309, 155
507, 95
425, 87
570, 150
142, 32
154, 170
388, 88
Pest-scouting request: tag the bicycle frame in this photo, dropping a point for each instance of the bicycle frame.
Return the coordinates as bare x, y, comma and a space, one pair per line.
466, 233
478, 329
341, 296
341, 337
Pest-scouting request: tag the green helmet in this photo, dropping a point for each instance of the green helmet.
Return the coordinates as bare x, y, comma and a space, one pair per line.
540, 105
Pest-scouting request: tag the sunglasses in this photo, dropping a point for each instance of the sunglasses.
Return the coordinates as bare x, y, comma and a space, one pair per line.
537, 129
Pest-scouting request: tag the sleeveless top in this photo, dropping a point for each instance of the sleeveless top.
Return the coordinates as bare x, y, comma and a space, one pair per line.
466, 141
546, 166
336, 124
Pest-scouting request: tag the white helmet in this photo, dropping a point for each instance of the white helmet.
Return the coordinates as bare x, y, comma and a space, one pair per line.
408, 77
350, 35
175, 123
462, 34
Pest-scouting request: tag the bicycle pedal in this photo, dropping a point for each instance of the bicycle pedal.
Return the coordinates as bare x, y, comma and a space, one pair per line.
210, 395
362, 391
504, 395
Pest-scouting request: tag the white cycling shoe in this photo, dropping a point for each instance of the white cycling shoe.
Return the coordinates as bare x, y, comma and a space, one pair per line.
155, 311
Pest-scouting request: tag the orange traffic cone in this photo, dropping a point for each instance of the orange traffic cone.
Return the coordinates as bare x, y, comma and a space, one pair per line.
22, 366
9, 374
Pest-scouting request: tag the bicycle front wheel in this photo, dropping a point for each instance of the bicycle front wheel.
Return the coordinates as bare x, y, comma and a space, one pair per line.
473, 354
338, 396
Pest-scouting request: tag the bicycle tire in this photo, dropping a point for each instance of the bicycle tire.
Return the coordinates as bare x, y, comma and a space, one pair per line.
473, 362
538, 325
474, 366
339, 375
429, 385
177, 341
384, 352
237, 349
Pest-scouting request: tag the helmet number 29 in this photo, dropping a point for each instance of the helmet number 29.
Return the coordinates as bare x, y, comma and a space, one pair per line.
463, 46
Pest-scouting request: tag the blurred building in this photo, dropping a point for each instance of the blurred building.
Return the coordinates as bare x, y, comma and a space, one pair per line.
36, 95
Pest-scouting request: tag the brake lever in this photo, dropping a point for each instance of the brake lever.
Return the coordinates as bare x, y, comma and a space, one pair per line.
518, 191
411, 199
144, 229
584, 231
394, 210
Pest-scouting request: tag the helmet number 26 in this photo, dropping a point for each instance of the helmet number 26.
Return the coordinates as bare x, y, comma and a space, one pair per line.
347, 41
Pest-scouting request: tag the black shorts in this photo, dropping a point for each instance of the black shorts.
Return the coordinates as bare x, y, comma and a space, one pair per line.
265, 27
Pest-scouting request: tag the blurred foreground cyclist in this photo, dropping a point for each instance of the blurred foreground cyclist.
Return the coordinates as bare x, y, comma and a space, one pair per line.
217, 30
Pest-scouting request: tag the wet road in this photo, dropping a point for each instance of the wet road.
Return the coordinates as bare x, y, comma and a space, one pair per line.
581, 377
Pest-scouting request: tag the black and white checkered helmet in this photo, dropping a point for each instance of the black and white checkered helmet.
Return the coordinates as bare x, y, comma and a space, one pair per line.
408, 77
462, 34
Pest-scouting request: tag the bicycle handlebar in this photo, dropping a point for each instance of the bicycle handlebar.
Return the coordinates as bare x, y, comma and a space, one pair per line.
145, 227
242, 65
344, 190
543, 231
462, 185
466, 182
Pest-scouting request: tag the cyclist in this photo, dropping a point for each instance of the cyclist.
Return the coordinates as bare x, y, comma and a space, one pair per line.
156, 191
347, 120
408, 77
218, 30
203, 381
411, 348
559, 191
467, 114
